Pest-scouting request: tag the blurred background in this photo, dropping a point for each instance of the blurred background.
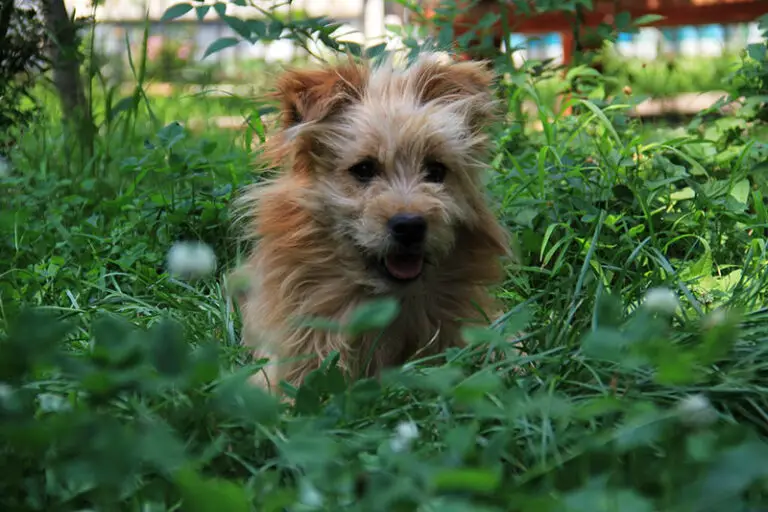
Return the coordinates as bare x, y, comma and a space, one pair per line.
658, 62
181, 42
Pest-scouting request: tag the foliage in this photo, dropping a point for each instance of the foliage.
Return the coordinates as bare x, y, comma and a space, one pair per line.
123, 388
22, 56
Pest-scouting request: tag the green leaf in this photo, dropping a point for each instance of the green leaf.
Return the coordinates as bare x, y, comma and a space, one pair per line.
703, 267
327, 379
477, 480
111, 331
220, 44
365, 390
372, 316
205, 363
319, 324
220, 8
258, 28
600, 115
593, 408
605, 343
353, 48
476, 385
595, 499
238, 398
729, 475
683, 194
757, 51
456, 504
240, 27
461, 440
201, 11
168, 350
622, 20
160, 447
740, 191
645, 19
677, 368
487, 21
274, 29
125, 104
113, 340
170, 134
609, 310
525, 217
200, 495
175, 11
641, 429
439, 380
476, 335
701, 446
375, 51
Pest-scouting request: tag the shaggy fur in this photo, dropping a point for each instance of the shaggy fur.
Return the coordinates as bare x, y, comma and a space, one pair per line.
360, 144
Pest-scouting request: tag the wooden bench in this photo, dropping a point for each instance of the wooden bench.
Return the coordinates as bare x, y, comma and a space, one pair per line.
576, 38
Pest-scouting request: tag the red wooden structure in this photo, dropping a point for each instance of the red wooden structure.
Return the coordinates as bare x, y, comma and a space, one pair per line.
674, 12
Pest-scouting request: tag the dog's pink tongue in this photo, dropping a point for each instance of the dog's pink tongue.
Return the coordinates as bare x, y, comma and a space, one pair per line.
403, 266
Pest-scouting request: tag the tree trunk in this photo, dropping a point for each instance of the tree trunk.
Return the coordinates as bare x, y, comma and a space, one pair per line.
65, 61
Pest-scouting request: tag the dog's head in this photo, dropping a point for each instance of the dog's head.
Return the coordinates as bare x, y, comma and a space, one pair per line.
391, 157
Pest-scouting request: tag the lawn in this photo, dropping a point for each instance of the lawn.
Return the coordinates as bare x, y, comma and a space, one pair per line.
637, 299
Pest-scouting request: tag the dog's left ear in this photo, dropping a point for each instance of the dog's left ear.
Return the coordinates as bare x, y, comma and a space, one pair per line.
456, 81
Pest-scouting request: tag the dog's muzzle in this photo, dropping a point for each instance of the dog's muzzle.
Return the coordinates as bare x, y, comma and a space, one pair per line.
406, 259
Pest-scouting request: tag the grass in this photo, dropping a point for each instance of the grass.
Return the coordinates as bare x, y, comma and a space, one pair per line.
669, 75
123, 388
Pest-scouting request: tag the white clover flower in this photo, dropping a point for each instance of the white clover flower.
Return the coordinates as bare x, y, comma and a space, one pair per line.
53, 403
661, 300
6, 391
191, 260
696, 411
309, 495
405, 433
715, 319
5, 167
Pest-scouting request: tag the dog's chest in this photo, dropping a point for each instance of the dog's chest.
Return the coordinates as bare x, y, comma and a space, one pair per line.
417, 331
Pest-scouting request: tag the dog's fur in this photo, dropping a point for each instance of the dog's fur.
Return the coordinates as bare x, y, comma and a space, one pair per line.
322, 233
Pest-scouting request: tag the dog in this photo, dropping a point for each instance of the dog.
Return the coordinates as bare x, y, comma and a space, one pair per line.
379, 193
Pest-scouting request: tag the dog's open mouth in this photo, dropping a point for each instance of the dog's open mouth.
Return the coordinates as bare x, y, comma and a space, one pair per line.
404, 266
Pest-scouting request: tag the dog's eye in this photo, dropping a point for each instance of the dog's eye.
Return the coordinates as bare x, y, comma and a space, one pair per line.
365, 170
435, 171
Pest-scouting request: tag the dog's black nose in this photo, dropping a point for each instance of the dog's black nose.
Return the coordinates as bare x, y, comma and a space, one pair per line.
407, 228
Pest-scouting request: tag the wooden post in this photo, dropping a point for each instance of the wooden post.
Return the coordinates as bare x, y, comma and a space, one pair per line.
569, 47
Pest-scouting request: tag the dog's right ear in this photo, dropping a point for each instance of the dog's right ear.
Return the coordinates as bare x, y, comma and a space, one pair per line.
311, 95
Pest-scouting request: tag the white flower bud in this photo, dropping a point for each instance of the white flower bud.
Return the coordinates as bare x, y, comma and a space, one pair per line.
309, 495
191, 260
5, 167
715, 319
696, 411
6, 391
405, 433
661, 300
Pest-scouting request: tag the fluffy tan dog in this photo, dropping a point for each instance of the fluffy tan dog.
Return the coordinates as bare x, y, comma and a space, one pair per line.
380, 194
